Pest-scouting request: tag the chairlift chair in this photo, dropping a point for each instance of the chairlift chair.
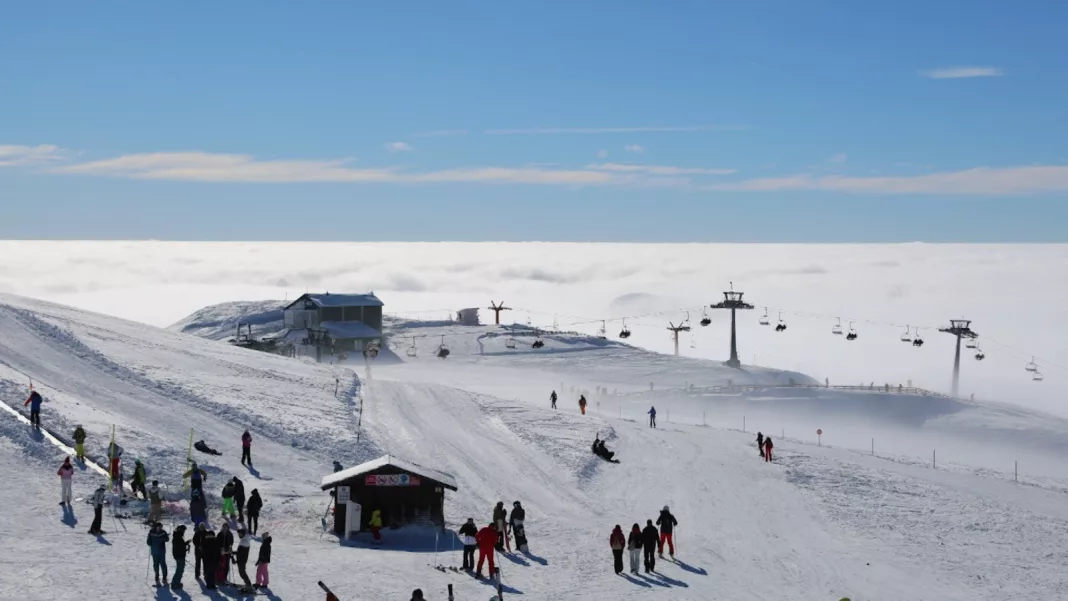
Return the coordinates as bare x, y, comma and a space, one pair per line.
971, 343
905, 337
412, 351
443, 349
781, 327
852, 335
537, 344
764, 320
837, 328
603, 332
979, 356
624, 333
693, 341
509, 343
1032, 366
916, 340
705, 319
1037, 377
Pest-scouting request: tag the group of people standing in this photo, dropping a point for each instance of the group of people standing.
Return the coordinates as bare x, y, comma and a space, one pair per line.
493, 537
648, 542
212, 552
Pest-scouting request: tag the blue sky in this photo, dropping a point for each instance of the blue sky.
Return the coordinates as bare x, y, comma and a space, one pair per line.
638, 121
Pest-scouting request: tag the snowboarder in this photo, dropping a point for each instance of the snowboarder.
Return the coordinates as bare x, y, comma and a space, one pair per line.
244, 545
203, 447
79, 443
225, 541
618, 542
179, 549
211, 552
487, 540
469, 531
376, 526
34, 401
652, 417
262, 561
198, 548
255, 503
137, 481
157, 544
515, 522
634, 547
228, 499
768, 446
667, 523
552, 399
198, 508
582, 404
602, 451
155, 500
239, 498
246, 449
98, 511
499, 516
196, 477
66, 478
650, 537
760, 443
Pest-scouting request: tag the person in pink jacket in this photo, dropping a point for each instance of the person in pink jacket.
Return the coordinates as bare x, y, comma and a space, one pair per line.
66, 477
246, 449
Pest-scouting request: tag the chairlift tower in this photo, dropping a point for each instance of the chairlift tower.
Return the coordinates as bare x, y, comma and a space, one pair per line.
961, 329
675, 329
733, 300
497, 311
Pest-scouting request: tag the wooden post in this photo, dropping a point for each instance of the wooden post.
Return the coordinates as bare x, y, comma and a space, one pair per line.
500, 588
188, 461
934, 464
1015, 471
873, 447
450, 593
743, 423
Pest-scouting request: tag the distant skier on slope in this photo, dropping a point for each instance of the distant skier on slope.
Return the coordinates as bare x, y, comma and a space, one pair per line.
650, 537
667, 523
618, 542
157, 543
582, 404
768, 446
79, 443
246, 448
652, 417
66, 478
552, 398
760, 443
486, 539
34, 401
137, 481
115, 455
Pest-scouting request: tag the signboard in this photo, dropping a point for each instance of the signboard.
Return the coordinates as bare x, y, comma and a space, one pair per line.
391, 480
819, 432
342, 495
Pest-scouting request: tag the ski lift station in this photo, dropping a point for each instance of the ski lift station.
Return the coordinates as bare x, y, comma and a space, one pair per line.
406, 493
467, 317
334, 323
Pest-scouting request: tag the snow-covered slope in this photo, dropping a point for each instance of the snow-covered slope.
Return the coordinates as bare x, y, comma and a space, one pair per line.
818, 524
219, 322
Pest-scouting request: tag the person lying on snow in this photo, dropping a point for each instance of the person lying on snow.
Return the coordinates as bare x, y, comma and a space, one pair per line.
201, 446
602, 451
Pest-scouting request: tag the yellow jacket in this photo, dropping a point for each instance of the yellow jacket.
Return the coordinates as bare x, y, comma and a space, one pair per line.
376, 518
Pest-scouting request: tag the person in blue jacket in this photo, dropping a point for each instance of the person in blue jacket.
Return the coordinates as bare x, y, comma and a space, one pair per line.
34, 402
652, 417
157, 544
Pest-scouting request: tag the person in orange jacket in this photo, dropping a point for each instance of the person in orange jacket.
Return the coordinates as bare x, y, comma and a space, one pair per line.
486, 539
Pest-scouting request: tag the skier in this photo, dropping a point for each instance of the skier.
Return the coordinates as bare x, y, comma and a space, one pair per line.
602, 451
667, 523
155, 498
376, 526
157, 544
650, 537
198, 548
198, 508
582, 404
246, 448
196, 477
239, 498
515, 522
66, 478
179, 548
225, 542
243, 547
469, 531
634, 546
499, 516
487, 540
34, 401
228, 499
768, 446
618, 542
255, 503
652, 417
552, 399
262, 561
203, 447
98, 510
760, 443
211, 552
79, 443
137, 481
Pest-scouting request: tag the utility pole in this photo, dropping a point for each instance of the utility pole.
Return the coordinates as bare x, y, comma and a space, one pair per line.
733, 300
675, 329
497, 311
961, 329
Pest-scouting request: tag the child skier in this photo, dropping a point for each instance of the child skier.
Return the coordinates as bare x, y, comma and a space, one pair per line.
263, 561
66, 478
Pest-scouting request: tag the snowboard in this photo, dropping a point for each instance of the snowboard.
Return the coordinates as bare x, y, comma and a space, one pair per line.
520, 532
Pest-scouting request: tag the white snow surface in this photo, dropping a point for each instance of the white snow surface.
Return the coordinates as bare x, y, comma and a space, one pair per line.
819, 523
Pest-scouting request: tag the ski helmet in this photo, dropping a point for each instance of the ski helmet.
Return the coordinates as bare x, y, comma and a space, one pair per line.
666, 508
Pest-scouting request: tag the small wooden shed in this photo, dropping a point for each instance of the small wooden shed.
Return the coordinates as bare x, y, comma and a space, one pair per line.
405, 492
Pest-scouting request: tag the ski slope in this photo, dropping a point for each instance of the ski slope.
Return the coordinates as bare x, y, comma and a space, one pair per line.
820, 523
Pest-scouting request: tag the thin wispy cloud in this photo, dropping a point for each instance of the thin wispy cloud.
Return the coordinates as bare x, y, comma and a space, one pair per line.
398, 147
841, 157
440, 133
659, 169
635, 148
602, 154
980, 181
611, 130
962, 72
12, 155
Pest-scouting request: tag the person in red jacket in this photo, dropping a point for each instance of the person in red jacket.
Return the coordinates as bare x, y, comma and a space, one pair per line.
767, 448
486, 539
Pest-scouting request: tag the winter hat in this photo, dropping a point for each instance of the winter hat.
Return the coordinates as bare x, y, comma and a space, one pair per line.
241, 531
516, 504
181, 528
200, 526
67, 460
417, 594
155, 483
266, 536
665, 508
648, 522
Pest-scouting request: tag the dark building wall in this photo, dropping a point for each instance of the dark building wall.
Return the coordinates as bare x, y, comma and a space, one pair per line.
331, 313
400, 505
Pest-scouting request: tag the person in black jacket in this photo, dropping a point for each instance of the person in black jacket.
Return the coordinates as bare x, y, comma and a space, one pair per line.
469, 531
239, 498
255, 503
650, 537
225, 540
667, 523
210, 547
179, 548
760, 443
198, 548
264, 560
515, 521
